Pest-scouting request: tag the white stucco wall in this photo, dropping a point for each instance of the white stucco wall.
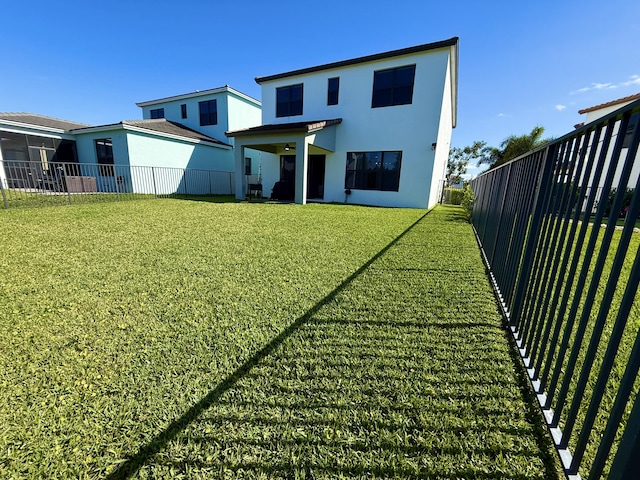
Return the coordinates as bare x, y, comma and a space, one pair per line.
601, 112
443, 144
407, 128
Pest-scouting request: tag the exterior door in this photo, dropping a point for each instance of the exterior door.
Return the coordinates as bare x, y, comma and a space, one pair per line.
315, 177
285, 189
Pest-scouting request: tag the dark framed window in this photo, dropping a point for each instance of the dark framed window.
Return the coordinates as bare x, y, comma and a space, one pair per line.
104, 152
157, 113
373, 171
183, 110
247, 165
333, 87
289, 100
393, 86
208, 112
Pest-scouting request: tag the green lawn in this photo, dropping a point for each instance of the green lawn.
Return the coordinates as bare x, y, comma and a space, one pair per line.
626, 345
169, 339
20, 199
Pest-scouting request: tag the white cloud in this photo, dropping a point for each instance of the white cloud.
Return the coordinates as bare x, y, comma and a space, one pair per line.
560, 107
635, 80
580, 90
602, 86
502, 115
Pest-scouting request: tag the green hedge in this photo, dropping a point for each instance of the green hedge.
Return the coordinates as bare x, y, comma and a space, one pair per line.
453, 196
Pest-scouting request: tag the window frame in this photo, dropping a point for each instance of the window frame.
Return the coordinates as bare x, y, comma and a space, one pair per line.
105, 161
183, 110
209, 117
359, 176
285, 105
395, 93
156, 113
247, 165
333, 94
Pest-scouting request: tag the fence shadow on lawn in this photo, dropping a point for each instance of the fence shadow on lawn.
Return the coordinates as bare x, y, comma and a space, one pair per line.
308, 402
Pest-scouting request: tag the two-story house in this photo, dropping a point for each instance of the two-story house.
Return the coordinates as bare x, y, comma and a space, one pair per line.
183, 131
372, 130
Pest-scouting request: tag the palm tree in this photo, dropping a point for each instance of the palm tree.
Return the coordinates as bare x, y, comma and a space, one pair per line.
515, 145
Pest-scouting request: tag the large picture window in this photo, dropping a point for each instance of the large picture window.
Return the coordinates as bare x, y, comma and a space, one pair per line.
104, 152
208, 112
393, 86
289, 100
373, 171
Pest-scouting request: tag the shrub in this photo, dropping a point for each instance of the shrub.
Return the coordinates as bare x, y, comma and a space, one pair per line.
454, 195
468, 199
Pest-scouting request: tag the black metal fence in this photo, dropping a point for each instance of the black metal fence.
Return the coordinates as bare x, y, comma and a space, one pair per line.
30, 184
558, 228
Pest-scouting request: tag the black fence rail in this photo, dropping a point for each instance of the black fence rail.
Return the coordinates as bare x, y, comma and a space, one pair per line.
32, 184
559, 231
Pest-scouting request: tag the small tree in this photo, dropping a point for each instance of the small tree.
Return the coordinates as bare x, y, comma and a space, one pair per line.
460, 157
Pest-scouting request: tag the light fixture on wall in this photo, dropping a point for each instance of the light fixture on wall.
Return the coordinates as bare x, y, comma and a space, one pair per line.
287, 147
433, 146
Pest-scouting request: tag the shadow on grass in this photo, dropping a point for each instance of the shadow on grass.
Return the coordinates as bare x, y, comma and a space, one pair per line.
335, 396
133, 464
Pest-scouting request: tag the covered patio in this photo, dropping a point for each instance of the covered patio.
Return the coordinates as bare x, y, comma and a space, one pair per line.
297, 164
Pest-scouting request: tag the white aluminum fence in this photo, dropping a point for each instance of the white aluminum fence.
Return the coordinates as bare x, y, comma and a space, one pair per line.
32, 184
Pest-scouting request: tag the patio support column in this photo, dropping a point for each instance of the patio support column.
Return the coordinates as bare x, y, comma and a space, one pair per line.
302, 165
240, 180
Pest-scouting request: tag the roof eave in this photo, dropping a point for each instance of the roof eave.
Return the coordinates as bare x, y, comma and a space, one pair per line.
612, 103
34, 126
136, 128
454, 84
212, 91
310, 127
355, 61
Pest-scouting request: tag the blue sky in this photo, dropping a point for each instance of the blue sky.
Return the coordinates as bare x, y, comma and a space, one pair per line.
521, 63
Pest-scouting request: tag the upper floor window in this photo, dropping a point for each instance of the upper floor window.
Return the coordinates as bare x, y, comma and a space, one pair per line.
333, 86
393, 86
373, 171
208, 112
104, 152
157, 113
289, 100
183, 110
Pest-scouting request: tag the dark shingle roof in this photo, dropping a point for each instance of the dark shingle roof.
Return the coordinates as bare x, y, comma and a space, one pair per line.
41, 120
304, 127
369, 58
163, 125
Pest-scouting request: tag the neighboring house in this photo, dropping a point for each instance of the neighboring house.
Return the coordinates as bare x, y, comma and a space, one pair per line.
372, 130
599, 111
211, 112
40, 140
149, 143
186, 132
603, 109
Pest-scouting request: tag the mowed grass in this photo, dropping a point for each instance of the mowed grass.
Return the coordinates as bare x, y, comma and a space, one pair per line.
168, 339
14, 198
